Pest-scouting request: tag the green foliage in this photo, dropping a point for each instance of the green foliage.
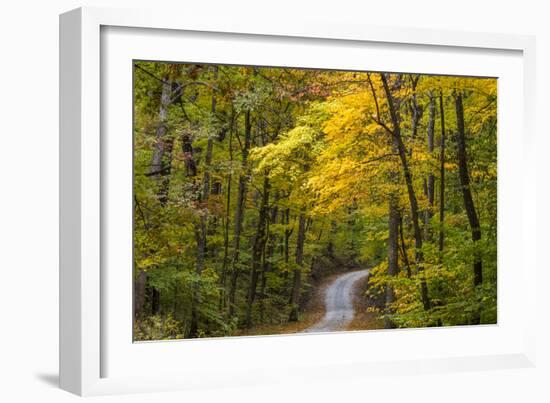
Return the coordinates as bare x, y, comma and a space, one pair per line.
157, 328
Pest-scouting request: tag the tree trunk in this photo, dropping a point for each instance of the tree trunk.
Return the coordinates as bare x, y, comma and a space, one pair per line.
403, 247
140, 289
441, 176
467, 192
189, 161
227, 224
199, 228
160, 171
239, 213
396, 122
393, 265
162, 152
155, 301
257, 251
268, 254
288, 233
209, 146
431, 179
297, 280
416, 110
202, 242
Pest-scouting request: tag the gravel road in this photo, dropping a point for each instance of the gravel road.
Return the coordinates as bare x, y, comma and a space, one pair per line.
339, 310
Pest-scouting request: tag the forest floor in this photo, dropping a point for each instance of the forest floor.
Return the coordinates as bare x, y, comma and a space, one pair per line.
363, 319
312, 313
314, 316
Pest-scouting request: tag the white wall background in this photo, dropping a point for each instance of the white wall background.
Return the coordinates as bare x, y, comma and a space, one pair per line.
29, 188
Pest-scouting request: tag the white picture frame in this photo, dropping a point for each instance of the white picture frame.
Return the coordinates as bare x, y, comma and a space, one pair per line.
93, 347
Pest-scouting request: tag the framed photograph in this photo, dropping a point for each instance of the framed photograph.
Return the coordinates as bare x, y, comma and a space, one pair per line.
245, 202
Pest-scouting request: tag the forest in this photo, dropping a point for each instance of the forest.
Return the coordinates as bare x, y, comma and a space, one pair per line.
256, 187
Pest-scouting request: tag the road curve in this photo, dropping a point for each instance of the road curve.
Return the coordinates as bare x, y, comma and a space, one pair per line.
339, 310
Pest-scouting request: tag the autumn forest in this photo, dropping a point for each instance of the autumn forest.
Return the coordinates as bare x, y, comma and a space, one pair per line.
274, 200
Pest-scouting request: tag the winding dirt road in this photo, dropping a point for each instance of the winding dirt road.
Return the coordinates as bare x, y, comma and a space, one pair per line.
339, 310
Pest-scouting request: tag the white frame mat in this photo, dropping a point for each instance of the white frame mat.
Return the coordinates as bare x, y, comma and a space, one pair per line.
97, 355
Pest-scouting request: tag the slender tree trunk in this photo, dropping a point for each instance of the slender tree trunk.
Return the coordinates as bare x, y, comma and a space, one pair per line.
416, 110
263, 279
396, 122
227, 225
162, 151
140, 288
238, 220
330, 244
441, 176
288, 233
203, 207
393, 250
209, 147
404, 247
202, 242
239, 213
140, 284
268, 254
257, 250
297, 280
190, 163
467, 193
160, 171
430, 185
191, 172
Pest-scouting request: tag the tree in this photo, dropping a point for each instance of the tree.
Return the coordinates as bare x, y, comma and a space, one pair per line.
467, 193
395, 132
